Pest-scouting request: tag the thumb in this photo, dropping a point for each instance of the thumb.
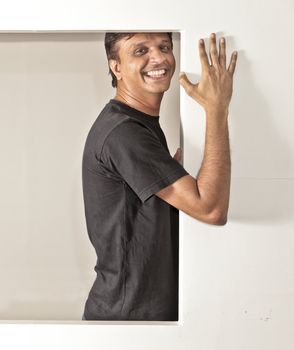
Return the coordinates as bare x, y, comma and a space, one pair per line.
185, 82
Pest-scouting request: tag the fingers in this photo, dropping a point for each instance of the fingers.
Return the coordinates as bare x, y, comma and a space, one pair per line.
222, 52
203, 55
213, 51
178, 154
216, 60
233, 62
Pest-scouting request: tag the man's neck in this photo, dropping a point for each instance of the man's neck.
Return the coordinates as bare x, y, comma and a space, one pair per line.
149, 106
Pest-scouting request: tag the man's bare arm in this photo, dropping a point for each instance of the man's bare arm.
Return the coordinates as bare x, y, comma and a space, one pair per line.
206, 197
213, 179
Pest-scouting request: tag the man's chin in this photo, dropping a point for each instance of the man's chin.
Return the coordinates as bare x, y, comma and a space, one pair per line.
158, 88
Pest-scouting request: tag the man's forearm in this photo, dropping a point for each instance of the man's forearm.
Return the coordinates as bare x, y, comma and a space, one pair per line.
214, 176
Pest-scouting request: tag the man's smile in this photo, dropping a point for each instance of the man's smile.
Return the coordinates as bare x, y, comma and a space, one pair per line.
156, 74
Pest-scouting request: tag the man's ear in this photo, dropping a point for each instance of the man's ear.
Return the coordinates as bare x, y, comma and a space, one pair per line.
115, 67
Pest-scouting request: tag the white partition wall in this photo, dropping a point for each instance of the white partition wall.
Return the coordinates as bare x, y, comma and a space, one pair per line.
236, 281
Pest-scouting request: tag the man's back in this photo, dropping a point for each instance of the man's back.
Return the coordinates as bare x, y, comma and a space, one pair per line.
135, 233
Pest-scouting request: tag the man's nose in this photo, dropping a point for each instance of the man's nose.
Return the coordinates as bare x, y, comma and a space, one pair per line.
157, 55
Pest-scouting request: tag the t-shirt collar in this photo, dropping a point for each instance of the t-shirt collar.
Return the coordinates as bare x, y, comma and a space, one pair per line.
129, 109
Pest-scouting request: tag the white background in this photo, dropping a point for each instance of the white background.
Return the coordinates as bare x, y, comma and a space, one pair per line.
236, 281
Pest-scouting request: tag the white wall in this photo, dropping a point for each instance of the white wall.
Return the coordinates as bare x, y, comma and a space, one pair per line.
237, 281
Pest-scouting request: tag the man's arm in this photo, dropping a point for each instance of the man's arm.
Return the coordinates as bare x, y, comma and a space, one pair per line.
206, 197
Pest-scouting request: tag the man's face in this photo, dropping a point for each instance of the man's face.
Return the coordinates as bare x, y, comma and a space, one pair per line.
147, 64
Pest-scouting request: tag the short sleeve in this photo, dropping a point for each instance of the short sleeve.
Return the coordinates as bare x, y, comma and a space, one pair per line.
136, 154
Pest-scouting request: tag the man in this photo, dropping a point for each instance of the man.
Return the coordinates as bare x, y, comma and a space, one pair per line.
133, 188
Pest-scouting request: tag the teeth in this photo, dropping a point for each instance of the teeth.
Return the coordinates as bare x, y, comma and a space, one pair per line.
156, 73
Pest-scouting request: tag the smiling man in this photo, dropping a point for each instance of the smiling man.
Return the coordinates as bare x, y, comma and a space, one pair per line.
144, 73
133, 188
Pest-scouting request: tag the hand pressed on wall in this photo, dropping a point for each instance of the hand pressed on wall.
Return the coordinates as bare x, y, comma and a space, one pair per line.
214, 91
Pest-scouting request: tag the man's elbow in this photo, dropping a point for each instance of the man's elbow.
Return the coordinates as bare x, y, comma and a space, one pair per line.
217, 218
221, 221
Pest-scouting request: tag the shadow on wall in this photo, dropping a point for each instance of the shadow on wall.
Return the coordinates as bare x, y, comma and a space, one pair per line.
262, 201
261, 158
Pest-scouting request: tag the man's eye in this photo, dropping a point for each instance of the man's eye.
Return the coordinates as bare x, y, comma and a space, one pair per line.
139, 51
166, 47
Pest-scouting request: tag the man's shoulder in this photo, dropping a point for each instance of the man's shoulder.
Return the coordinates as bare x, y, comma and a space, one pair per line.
112, 118
114, 126
118, 123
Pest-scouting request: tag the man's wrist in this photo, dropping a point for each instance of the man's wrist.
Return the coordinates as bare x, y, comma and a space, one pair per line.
217, 116
217, 110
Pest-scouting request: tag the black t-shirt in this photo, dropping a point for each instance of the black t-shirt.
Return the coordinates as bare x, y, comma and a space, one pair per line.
135, 233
